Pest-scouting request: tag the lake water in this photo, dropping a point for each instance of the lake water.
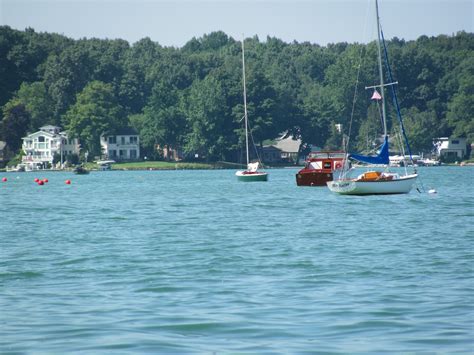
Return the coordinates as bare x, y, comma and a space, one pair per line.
197, 262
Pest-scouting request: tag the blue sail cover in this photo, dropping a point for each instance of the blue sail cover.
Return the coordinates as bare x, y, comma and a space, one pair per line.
381, 158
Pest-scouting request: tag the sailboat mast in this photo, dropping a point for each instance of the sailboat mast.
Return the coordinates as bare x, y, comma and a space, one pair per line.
245, 102
379, 49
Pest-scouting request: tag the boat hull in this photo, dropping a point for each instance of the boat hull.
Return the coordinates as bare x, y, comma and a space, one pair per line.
313, 178
251, 177
402, 185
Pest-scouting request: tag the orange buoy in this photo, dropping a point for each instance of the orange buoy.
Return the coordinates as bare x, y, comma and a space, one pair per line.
36, 179
4, 179
40, 182
68, 182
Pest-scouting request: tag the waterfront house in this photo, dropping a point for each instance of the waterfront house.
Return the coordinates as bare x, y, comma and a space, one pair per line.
271, 154
41, 147
122, 145
450, 149
284, 149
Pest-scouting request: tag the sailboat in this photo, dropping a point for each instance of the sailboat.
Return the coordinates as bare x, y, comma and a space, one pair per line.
251, 173
378, 182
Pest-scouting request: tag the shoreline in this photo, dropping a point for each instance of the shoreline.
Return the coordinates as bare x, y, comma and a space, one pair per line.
159, 165
166, 166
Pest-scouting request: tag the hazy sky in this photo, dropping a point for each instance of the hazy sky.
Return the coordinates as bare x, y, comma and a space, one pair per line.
173, 23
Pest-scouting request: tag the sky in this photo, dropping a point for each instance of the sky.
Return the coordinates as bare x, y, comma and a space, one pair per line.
175, 22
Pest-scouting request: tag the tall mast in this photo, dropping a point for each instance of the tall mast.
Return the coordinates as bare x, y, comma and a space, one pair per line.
384, 119
245, 102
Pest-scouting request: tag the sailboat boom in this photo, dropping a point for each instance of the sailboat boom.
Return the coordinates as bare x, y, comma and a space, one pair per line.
379, 86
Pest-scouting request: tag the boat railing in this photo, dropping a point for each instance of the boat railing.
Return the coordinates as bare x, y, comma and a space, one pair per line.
326, 155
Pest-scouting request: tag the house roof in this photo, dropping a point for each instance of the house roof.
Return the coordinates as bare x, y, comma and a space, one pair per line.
49, 127
288, 145
125, 131
40, 133
271, 147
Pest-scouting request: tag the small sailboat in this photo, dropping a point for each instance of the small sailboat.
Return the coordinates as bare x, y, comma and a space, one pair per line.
251, 173
378, 182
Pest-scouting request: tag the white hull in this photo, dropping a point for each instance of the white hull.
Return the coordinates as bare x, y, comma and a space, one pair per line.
255, 176
401, 185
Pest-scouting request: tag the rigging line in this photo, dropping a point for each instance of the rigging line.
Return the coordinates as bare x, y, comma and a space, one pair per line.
380, 113
394, 95
402, 150
354, 99
254, 145
397, 106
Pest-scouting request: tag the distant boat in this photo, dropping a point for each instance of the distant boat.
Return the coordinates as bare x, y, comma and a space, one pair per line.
378, 182
16, 169
319, 168
105, 165
429, 162
80, 170
252, 173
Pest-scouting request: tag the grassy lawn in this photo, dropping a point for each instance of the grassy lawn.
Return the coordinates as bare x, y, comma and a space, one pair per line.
147, 165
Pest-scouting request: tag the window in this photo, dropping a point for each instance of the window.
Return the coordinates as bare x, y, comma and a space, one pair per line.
41, 139
122, 153
455, 141
133, 140
112, 140
113, 153
133, 154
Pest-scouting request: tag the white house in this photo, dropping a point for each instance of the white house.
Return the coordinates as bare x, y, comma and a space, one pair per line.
123, 145
450, 148
40, 147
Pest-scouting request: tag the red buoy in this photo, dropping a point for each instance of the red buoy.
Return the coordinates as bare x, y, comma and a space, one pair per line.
40, 182
36, 179
4, 179
45, 180
68, 182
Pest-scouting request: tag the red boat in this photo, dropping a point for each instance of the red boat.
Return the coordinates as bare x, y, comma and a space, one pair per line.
319, 168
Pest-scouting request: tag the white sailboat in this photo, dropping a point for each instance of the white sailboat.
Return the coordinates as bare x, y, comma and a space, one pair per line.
251, 173
377, 182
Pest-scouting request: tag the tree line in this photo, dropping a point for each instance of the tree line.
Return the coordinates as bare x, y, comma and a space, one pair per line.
191, 97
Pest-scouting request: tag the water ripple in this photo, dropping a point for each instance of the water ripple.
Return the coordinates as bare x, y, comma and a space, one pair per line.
154, 262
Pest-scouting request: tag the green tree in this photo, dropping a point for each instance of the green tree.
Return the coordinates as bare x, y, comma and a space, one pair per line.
264, 116
207, 120
67, 74
319, 113
37, 102
460, 116
164, 121
370, 130
95, 112
421, 128
14, 124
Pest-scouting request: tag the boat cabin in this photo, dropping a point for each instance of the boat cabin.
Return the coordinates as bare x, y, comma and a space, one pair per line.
319, 168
